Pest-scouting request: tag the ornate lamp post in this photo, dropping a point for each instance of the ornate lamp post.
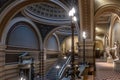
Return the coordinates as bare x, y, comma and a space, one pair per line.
84, 37
72, 15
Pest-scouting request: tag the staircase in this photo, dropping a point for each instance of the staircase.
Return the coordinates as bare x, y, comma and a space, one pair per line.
54, 73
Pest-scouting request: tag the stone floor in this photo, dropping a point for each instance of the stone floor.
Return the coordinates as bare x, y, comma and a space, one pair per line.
105, 71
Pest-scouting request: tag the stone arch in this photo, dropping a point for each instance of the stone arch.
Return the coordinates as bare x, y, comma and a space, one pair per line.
108, 8
54, 38
14, 21
115, 31
11, 10
51, 34
113, 20
57, 41
17, 6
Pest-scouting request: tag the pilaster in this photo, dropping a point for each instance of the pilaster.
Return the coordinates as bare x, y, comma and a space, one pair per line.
2, 61
42, 58
86, 8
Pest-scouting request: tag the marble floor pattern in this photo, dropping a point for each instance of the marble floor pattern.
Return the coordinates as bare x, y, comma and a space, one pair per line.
105, 71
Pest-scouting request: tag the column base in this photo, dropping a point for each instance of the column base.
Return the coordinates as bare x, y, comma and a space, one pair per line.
117, 65
109, 60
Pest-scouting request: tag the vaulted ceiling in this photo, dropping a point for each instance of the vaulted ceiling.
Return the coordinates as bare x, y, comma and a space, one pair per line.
102, 22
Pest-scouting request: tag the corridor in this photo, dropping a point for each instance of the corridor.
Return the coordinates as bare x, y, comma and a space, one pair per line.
105, 71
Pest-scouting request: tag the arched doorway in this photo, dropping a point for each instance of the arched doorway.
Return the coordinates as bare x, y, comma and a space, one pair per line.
106, 18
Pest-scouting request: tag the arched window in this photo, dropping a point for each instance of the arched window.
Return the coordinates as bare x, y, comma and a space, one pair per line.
52, 44
22, 36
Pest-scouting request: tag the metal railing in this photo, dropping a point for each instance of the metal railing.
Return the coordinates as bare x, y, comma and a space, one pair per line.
57, 74
60, 74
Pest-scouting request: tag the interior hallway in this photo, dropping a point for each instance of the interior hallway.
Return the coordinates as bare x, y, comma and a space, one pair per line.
105, 71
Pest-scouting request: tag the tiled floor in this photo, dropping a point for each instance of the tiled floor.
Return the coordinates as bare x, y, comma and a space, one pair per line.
105, 71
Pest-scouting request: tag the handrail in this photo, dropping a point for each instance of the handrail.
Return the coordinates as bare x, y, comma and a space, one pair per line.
24, 54
83, 71
61, 62
64, 67
53, 67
